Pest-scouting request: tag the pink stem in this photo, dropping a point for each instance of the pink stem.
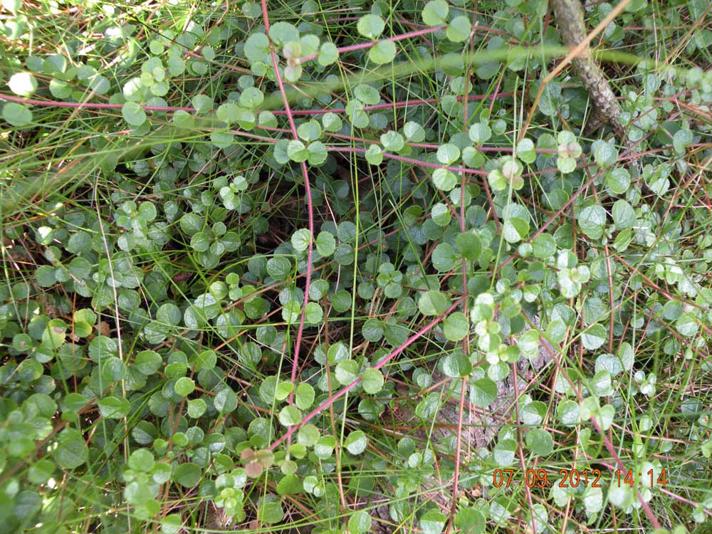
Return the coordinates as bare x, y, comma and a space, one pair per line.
369, 44
310, 207
607, 442
171, 109
612, 451
85, 105
387, 105
465, 346
343, 391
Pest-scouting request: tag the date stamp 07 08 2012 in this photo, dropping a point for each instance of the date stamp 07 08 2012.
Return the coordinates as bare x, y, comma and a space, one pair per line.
573, 478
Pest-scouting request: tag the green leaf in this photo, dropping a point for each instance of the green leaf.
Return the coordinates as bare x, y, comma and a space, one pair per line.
623, 214
148, 362
480, 133
300, 239
432, 521
469, 245
444, 179
279, 267
621, 496
328, 54
526, 151
196, 408
184, 386
171, 524
687, 325
257, 48
346, 372
225, 401
681, 140
374, 155
141, 460
528, 344
313, 313
414, 132
205, 360
297, 151
251, 98
392, 141
470, 521
604, 153
539, 441
372, 330
187, 474
435, 12
433, 303
16, 114
444, 257
324, 447
504, 452
133, 113
483, 392
113, 407
533, 413
270, 510
568, 412
359, 521
222, 139
228, 112
202, 104
565, 164
594, 337
544, 246
382, 52
304, 396
291, 311
325, 244
370, 26
54, 335
283, 32
459, 29
71, 450
617, 181
309, 131
457, 364
515, 229
367, 94
448, 154
22, 83
331, 122
440, 214
290, 485
356, 442
372, 381
456, 326
290, 416
308, 435
592, 221
317, 153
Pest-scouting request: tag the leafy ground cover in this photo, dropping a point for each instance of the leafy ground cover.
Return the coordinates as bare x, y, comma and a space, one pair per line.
252, 253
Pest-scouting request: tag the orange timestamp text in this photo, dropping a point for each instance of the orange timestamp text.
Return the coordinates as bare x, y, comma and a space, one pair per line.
573, 478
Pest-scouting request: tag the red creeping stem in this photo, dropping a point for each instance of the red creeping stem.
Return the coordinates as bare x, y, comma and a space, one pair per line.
612, 451
343, 391
172, 109
606, 442
369, 44
387, 105
310, 207
85, 105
